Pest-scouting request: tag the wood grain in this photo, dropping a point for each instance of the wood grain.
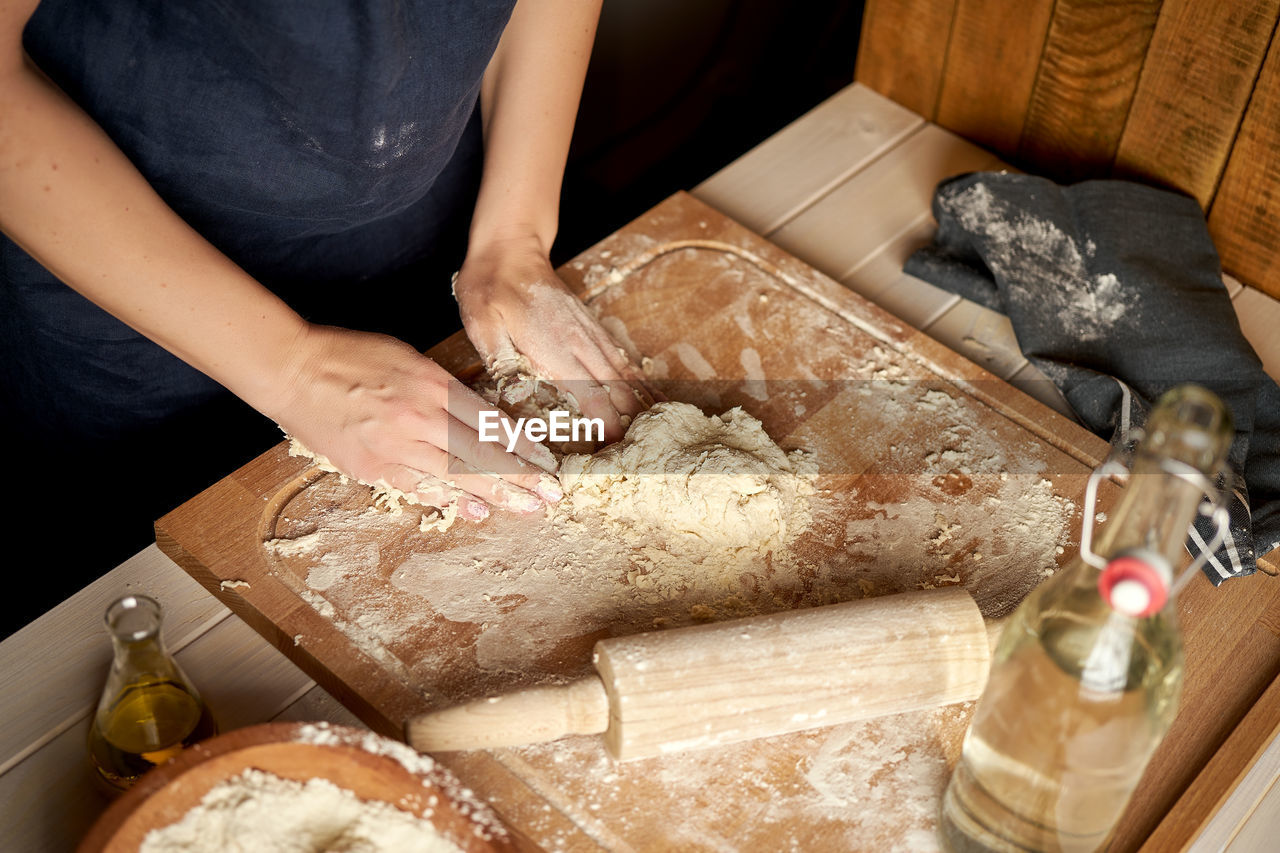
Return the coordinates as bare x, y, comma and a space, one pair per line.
1199, 72
1244, 218
835, 235
1087, 78
991, 69
1217, 782
983, 336
903, 49
1231, 658
707, 685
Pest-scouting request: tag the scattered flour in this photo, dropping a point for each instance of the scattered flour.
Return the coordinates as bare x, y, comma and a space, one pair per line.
436, 517
755, 383
918, 486
694, 361
1042, 255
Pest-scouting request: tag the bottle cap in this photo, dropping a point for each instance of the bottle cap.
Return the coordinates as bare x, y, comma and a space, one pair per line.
1134, 585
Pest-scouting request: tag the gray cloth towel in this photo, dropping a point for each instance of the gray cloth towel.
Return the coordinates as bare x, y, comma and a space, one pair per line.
1115, 292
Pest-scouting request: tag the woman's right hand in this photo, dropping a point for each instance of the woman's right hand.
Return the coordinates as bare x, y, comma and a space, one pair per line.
380, 411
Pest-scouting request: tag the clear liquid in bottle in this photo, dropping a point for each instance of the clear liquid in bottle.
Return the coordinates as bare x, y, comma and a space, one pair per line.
1059, 779
1086, 676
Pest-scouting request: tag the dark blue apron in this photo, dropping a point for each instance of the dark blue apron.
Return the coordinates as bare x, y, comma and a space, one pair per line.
330, 148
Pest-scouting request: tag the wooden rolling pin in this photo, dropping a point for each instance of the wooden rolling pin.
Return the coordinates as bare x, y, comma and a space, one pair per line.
696, 687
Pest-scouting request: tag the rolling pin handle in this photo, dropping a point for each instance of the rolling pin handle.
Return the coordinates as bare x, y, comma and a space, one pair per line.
529, 716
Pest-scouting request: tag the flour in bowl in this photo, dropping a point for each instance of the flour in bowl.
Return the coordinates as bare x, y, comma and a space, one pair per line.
263, 813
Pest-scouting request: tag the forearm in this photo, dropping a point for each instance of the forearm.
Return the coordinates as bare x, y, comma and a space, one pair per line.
528, 103
71, 199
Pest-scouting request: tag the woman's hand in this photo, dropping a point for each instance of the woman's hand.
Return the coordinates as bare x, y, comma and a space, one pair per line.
513, 304
382, 412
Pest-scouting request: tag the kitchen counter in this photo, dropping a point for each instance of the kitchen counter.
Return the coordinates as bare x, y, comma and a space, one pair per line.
846, 188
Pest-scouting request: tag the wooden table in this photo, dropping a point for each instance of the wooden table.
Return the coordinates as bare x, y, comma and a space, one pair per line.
846, 188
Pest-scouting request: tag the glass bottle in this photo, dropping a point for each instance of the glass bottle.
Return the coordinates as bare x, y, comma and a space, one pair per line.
1086, 675
149, 710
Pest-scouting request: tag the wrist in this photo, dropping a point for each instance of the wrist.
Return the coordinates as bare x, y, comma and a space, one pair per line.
509, 239
271, 379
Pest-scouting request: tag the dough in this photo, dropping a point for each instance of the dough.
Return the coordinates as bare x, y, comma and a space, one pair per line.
695, 480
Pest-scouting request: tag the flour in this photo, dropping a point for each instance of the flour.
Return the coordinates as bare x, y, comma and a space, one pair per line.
1040, 254
694, 361
755, 385
263, 813
919, 485
442, 497
688, 507
871, 785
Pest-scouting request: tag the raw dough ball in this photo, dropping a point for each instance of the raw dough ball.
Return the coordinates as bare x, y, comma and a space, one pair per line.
716, 481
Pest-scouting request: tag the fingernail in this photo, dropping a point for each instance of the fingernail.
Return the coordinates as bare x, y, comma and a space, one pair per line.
544, 459
516, 500
475, 510
548, 489
432, 496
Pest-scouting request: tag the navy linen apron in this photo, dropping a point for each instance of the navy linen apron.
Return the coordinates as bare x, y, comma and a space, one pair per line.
332, 149
329, 148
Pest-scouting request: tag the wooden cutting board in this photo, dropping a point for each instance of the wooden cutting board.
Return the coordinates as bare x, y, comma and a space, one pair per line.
933, 472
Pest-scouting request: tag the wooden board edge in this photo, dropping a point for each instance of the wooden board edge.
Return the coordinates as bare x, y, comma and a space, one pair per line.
1221, 777
1046, 424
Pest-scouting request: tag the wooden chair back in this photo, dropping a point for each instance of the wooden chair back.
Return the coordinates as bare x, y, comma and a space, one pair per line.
1183, 94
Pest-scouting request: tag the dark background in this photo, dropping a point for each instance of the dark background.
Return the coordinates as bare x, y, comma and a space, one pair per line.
676, 90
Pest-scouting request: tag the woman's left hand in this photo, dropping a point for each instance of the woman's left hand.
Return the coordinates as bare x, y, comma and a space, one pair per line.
513, 304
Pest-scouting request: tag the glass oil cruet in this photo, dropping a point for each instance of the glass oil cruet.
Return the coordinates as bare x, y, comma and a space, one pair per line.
149, 710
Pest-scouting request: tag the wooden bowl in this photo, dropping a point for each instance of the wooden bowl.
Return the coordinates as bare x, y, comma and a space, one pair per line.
166, 793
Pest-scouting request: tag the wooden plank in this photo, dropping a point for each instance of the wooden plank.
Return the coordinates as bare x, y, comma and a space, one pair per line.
1259, 317
991, 70
880, 269
914, 301
318, 704
49, 800
771, 183
1208, 813
889, 197
1087, 78
903, 48
981, 335
1232, 284
52, 670
1232, 656
863, 230
1244, 219
1261, 828
1195, 85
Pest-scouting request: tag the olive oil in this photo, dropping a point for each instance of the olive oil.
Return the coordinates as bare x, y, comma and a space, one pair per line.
149, 723
149, 711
